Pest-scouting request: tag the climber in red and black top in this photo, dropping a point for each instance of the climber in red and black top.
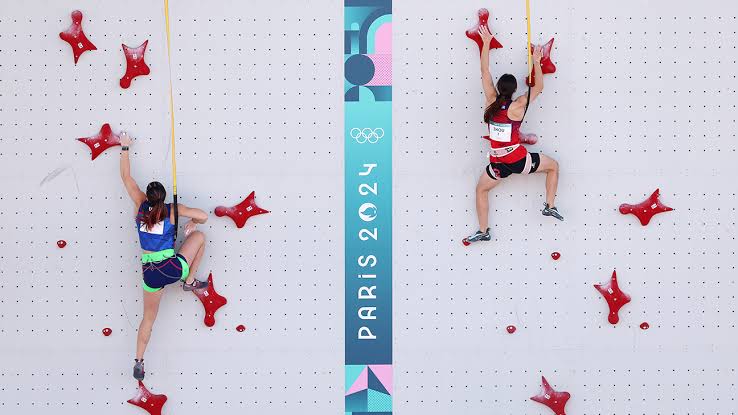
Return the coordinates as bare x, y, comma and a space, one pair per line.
503, 115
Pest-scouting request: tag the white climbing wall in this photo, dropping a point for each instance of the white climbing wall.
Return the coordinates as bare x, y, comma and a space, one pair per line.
644, 98
258, 107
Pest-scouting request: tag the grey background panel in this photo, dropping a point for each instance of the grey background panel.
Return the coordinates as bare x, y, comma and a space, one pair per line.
258, 107
643, 98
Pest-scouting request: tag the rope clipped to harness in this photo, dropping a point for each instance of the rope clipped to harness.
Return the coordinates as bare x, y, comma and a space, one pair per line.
171, 113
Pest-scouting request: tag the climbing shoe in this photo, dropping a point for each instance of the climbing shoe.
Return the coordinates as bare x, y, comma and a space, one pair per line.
196, 285
476, 237
138, 370
551, 211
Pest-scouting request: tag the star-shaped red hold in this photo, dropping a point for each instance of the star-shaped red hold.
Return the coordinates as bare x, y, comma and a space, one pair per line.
135, 65
547, 66
148, 401
211, 300
242, 211
551, 398
75, 36
102, 141
646, 209
615, 297
473, 32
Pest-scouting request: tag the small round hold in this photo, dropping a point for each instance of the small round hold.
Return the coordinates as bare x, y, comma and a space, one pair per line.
511, 329
555, 256
644, 326
107, 331
240, 328
61, 243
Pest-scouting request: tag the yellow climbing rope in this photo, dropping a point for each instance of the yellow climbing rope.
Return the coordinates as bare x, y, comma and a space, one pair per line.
530, 57
171, 114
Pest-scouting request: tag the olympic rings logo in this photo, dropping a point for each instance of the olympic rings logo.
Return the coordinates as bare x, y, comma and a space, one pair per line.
363, 135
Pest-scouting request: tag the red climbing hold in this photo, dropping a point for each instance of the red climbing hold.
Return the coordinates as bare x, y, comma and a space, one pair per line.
102, 141
615, 298
76, 38
547, 66
135, 65
240, 328
645, 326
473, 32
107, 331
555, 256
242, 211
511, 329
211, 300
646, 209
551, 398
148, 401
61, 243
528, 138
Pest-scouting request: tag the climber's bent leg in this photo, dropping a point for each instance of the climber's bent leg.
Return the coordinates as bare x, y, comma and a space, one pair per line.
551, 168
193, 250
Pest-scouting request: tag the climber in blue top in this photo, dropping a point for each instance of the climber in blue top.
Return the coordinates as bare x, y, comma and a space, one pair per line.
161, 264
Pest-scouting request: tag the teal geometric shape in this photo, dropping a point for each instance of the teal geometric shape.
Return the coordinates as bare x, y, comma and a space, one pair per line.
379, 402
375, 384
352, 373
356, 402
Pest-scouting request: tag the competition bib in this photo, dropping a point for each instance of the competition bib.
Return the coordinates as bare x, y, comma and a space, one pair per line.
157, 229
500, 132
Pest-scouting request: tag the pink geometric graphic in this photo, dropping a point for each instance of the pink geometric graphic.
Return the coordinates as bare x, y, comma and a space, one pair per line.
361, 383
382, 56
384, 375
382, 70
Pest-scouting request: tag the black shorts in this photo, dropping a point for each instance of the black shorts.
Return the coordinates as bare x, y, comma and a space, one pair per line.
528, 164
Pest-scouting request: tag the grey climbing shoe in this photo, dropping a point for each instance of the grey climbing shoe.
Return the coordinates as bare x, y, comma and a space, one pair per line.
551, 211
138, 370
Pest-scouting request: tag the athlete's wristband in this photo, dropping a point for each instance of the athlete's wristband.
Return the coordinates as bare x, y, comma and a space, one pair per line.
124, 148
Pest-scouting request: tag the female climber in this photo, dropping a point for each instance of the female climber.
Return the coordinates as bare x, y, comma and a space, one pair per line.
156, 232
503, 115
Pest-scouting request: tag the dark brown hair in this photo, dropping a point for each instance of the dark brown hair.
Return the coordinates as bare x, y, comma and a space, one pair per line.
506, 86
155, 195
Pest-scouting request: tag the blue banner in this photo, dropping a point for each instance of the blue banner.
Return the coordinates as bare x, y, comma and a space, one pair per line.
368, 205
